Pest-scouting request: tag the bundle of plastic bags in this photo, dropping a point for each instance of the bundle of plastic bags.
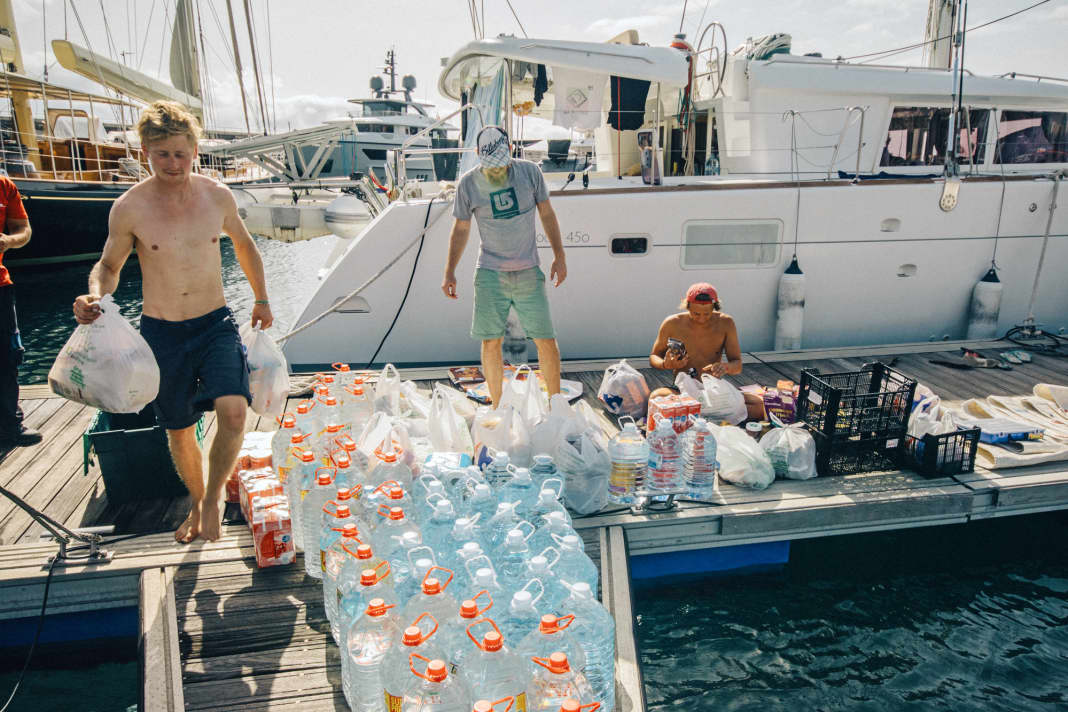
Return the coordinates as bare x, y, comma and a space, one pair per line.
501, 429
792, 451
719, 399
624, 391
268, 372
448, 431
742, 461
525, 396
106, 364
402, 401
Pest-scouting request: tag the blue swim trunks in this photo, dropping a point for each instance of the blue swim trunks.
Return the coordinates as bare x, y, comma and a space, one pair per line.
199, 359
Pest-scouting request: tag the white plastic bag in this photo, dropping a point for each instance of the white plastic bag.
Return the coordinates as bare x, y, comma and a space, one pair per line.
742, 461
388, 391
106, 364
585, 467
498, 430
526, 396
792, 452
546, 435
722, 401
268, 372
448, 432
624, 391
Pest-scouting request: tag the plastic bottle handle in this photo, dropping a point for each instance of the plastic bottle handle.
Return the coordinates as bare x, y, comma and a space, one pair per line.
419, 548
474, 518
383, 486
296, 452
479, 595
309, 402
344, 545
383, 510
435, 496
541, 593
472, 624
411, 665
471, 572
432, 630
544, 662
519, 526
557, 486
588, 707
439, 568
379, 578
342, 440
622, 418
555, 551
510, 700
563, 622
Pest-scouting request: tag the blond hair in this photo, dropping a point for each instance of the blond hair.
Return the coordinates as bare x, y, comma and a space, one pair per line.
163, 119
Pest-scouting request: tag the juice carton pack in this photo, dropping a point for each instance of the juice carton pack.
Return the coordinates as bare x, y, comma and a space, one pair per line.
272, 531
687, 407
676, 408
261, 482
781, 404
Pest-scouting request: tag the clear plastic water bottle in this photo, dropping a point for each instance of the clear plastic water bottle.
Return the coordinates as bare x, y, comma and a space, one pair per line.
402, 564
468, 551
574, 565
595, 630
664, 473
373, 583
324, 442
521, 489
494, 671
297, 487
312, 506
700, 465
540, 568
307, 421
289, 457
543, 468
348, 476
331, 527
551, 635
482, 502
367, 642
383, 495
498, 471
454, 638
498, 526
329, 414
629, 453
420, 567
523, 614
356, 557
359, 406
484, 578
389, 466
433, 597
436, 691
281, 441
465, 529
513, 558
389, 536
437, 530
554, 683
334, 558
427, 496
418, 639
554, 527
548, 501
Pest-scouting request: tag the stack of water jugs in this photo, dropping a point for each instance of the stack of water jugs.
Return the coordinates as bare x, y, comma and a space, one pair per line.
450, 591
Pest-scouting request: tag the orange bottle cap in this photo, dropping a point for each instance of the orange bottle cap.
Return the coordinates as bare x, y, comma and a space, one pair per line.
331, 400
307, 456
368, 578
343, 367
396, 493
343, 511
344, 494
303, 408
377, 607
324, 479
468, 609
548, 623
363, 551
288, 421
435, 671
412, 636
349, 531
431, 586
558, 663
396, 513
493, 640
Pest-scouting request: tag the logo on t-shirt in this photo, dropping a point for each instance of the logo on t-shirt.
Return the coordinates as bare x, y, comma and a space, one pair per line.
505, 204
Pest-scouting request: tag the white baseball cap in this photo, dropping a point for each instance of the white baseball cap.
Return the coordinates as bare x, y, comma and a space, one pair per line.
493, 149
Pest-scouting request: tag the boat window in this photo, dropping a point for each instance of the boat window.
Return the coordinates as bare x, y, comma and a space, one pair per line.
375, 128
1032, 137
917, 136
730, 243
630, 245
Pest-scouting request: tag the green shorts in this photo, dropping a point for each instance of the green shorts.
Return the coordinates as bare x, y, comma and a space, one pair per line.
496, 292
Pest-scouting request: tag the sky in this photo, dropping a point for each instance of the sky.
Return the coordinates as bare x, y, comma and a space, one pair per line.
325, 51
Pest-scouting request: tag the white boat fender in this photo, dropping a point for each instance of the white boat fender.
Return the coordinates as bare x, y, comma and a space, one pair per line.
346, 216
791, 308
985, 307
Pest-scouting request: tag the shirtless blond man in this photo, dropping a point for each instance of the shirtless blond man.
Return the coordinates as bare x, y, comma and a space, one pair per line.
706, 333
174, 219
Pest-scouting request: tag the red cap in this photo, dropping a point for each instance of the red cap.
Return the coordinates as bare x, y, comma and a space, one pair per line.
570, 705
307, 456
702, 292
349, 531
363, 551
368, 577
412, 636
288, 421
493, 640
468, 609
377, 607
396, 513
396, 493
435, 671
431, 586
325, 479
332, 427
548, 623
344, 493
558, 664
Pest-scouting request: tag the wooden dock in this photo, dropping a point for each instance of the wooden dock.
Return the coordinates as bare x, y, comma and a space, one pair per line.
218, 633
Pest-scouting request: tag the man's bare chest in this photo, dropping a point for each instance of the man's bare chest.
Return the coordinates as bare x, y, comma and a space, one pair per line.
188, 234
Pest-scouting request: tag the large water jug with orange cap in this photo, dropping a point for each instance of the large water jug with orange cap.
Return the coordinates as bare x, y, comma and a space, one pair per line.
436, 690
299, 482
555, 682
367, 642
333, 559
372, 583
494, 670
434, 596
312, 505
454, 640
417, 637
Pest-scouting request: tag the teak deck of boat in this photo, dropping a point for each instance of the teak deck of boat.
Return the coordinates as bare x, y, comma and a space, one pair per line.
218, 633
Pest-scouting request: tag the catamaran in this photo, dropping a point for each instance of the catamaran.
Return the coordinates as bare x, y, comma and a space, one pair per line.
831, 202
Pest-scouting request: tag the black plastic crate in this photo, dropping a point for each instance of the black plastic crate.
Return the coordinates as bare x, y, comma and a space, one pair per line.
943, 455
870, 404
135, 461
851, 457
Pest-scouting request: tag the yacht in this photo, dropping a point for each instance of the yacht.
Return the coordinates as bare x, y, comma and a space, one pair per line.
832, 203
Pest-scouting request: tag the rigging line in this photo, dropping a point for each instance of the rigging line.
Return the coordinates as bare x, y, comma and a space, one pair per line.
795, 170
112, 48
44, 35
205, 84
163, 36
144, 42
701, 22
36, 635
222, 33
270, 58
255, 64
683, 18
523, 29
945, 37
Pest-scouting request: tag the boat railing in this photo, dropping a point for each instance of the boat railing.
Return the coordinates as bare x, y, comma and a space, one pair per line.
401, 155
1036, 77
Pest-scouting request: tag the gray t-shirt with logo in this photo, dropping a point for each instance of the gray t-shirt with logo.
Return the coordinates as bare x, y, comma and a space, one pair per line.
505, 215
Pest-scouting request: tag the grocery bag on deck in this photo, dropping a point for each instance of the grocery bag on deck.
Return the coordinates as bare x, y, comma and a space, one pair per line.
448, 432
792, 451
268, 372
389, 393
106, 364
502, 429
742, 461
719, 399
585, 466
624, 391
547, 434
526, 396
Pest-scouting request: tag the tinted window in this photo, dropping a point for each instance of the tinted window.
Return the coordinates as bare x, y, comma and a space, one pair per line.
630, 245
730, 243
1032, 137
917, 136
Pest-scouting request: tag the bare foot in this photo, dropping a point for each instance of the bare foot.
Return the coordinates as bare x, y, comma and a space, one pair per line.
190, 528
210, 519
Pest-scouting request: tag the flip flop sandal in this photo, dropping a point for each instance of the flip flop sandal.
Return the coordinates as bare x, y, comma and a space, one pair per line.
1024, 356
1011, 357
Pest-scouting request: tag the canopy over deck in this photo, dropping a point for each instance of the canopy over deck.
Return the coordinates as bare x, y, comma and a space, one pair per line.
477, 62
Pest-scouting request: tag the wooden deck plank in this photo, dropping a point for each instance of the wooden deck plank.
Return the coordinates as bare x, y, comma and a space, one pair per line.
616, 597
16, 459
161, 663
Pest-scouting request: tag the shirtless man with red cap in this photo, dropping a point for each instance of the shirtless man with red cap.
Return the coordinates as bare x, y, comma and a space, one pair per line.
706, 334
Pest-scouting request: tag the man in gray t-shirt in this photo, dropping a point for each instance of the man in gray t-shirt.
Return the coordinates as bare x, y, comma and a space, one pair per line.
502, 194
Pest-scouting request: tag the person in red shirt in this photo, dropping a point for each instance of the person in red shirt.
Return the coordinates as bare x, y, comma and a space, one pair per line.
16, 234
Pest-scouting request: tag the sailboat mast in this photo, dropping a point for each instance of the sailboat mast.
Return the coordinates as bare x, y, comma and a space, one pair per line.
20, 100
237, 64
256, 67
